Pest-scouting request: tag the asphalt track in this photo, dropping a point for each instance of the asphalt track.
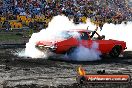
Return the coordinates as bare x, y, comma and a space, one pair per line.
25, 72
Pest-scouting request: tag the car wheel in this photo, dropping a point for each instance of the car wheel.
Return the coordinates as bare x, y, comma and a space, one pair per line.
115, 52
70, 52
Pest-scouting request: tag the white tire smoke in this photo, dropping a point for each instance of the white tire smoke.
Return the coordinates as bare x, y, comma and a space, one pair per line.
82, 53
121, 32
61, 23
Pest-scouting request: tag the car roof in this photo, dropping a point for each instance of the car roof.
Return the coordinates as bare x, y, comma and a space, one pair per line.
81, 30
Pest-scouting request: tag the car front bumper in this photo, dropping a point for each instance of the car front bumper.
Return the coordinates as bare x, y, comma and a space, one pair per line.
46, 48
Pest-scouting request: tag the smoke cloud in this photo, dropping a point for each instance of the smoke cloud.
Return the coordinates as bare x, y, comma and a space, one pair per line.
55, 28
60, 23
82, 53
122, 32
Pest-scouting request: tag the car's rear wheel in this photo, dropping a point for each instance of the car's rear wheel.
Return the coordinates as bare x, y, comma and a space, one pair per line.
115, 52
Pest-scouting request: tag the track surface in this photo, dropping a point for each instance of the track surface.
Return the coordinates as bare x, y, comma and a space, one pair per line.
23, 72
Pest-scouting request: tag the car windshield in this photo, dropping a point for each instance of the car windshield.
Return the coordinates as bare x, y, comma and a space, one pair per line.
64, 35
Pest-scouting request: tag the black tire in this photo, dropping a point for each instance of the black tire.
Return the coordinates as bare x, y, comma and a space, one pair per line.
70, 52
115, 52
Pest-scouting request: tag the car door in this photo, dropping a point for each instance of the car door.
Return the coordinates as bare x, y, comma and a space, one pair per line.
105, 46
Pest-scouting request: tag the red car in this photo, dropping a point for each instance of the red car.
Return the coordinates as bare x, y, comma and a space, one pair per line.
68, 43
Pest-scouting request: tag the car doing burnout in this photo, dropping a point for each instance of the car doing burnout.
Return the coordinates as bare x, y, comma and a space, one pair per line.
68, 43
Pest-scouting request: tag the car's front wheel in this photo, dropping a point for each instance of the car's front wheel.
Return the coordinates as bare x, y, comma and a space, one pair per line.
70, 53
115, 52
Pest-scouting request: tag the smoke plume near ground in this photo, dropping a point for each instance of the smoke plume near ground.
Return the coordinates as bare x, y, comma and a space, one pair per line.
82, 53
54, 30
60, 23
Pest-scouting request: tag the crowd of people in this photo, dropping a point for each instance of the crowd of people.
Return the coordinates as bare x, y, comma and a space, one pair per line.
98, 10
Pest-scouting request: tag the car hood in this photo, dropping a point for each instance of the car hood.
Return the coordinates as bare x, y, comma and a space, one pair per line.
49, 42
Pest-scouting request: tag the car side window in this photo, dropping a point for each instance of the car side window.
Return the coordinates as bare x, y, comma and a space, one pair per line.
84, 36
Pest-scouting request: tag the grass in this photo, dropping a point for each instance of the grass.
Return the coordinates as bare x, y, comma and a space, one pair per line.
15, 35
7, 37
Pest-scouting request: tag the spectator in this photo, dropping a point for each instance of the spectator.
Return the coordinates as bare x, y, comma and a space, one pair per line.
7, 25
97, 10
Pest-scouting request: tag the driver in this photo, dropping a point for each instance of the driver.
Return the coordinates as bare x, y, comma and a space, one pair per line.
101, 37
95, 32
